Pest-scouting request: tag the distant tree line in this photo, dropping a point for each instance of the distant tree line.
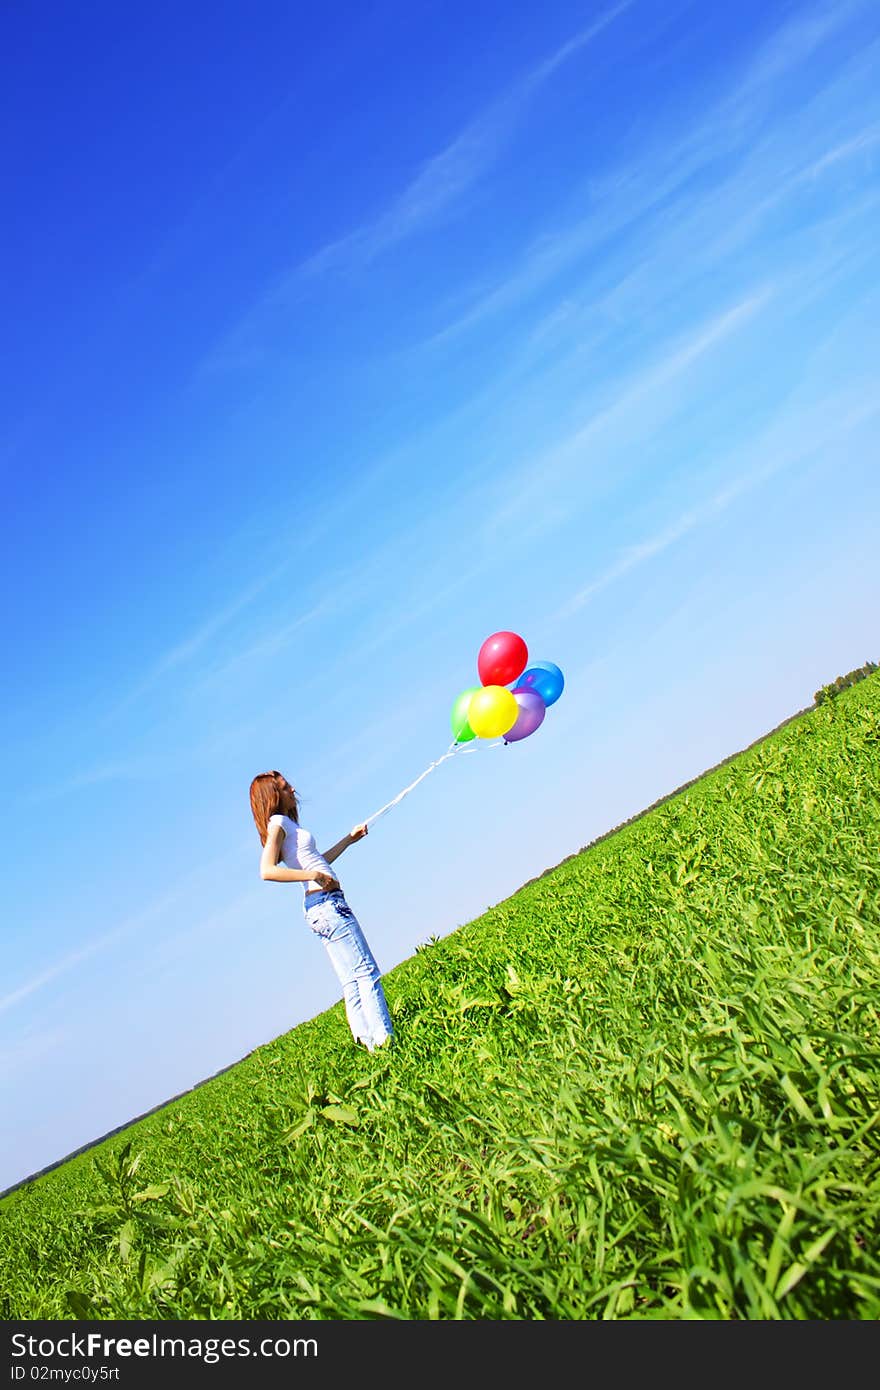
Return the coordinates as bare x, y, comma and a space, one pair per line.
829, 691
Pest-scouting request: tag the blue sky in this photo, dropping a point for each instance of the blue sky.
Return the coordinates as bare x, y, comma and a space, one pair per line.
336, 340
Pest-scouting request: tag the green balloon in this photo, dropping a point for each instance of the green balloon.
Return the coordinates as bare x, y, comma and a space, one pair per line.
459, 720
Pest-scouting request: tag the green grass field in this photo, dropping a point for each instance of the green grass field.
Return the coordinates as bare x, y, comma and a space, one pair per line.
643, 1087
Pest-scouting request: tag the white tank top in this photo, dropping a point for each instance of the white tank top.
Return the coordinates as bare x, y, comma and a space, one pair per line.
299, 851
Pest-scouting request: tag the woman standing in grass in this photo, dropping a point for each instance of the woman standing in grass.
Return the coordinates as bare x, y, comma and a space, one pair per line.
291, 856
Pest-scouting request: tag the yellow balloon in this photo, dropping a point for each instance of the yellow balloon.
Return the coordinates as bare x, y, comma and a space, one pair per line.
492, 711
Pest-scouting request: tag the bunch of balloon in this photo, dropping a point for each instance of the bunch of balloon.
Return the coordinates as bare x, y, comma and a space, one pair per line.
512, 697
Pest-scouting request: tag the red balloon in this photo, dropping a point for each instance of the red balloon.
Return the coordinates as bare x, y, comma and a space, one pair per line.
502, 658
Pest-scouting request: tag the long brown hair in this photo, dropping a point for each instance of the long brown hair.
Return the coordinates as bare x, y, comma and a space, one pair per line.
265, 790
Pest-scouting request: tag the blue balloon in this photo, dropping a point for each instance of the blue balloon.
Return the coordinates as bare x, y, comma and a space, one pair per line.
545, 678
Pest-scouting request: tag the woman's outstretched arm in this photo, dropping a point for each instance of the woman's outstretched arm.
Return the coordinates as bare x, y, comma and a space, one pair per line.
356, 834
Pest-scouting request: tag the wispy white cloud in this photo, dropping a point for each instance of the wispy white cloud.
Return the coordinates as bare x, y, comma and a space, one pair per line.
528, 491
814, 431
195, 643
253, 651
795, 42
438, 187
543, 476
864, 141
55, 971
155, 911
700, 239
447, 176
664, 172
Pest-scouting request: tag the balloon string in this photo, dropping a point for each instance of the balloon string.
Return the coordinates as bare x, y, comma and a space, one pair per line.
451, 751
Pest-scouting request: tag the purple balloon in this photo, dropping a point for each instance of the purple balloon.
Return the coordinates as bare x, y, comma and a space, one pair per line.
531, 713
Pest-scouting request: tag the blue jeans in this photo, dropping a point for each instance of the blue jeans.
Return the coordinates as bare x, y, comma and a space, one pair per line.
331, 918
